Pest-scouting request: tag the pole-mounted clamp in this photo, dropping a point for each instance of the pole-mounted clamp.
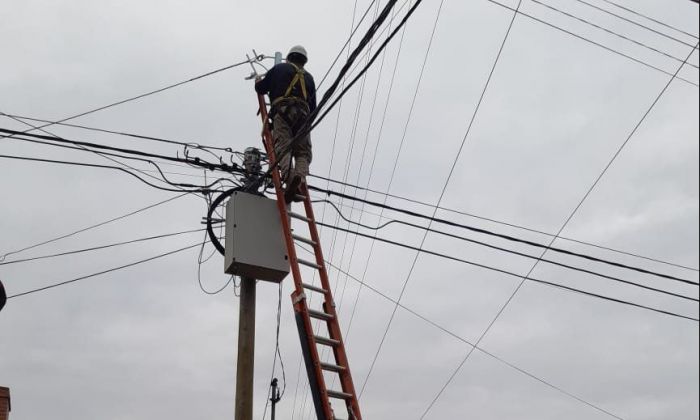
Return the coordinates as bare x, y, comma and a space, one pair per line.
298, 298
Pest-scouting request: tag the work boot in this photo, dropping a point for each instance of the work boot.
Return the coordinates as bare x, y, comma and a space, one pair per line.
298, 197
292, 189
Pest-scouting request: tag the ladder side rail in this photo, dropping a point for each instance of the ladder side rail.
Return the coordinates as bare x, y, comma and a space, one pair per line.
298, 297
329, 306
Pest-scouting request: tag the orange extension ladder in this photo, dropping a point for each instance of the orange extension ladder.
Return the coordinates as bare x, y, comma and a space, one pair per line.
310, 341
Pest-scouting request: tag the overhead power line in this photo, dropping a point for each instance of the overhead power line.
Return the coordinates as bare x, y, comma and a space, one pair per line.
590, 41
510, 273
116, 168
634, 12
467, 342
97, 248
368, 50
85, 229
401, 198
352, 33
313, 119
99, 273
609, 31
502, 236
195, 145
101, 154
561, 229
513, 225
442, 193
370, 62
510, 251
158, 170
633, 22
152, 92
235, 168
232, 168
154, 163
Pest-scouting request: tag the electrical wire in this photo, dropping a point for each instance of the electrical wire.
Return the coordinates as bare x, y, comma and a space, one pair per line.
92, 165
442, 194
381, 48
379, 51
634, 23
364, 150
512, 252
598, 44
507, 237
101, 154
353, 30
191, 145
347, 43
217, 291
513, 274
611, 32
194, 145
278, 355
374, 159
96, 248
194, 162
377, 37
354, 132
381, 217
403, 198
200, 261
158, 170
500, 222
85, 229
313, 119
590, 41
650, 19
209, 220
153, 92
465, 341
561, 229
121, 267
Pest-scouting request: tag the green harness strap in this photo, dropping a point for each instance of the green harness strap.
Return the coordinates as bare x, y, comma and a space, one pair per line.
298, 78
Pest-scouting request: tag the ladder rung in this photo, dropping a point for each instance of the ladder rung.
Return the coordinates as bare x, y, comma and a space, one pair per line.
327, 341
332, 368
304, 240
339, 395
314, 288
320, 315
308, 264
299, 217
299, 197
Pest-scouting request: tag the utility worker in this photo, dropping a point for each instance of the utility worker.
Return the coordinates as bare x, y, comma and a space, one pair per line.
293, 97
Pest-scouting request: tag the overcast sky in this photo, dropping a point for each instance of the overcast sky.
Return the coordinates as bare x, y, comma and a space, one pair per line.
146, 343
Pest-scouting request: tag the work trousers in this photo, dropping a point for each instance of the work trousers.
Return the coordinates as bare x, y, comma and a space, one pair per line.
286, 118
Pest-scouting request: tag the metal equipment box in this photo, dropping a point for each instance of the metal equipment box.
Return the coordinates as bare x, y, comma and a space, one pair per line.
255, 245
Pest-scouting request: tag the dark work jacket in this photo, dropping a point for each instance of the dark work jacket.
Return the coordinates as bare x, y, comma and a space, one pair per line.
278, 79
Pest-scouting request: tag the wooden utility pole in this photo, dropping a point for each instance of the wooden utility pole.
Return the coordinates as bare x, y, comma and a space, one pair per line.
246, 350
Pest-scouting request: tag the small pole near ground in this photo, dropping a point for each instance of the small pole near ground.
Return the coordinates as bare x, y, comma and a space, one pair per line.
275, 398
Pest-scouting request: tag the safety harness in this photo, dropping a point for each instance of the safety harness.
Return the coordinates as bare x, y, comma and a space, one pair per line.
298, 78
290, 100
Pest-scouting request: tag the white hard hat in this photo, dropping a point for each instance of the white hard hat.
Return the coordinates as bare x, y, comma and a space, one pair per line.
298, 49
